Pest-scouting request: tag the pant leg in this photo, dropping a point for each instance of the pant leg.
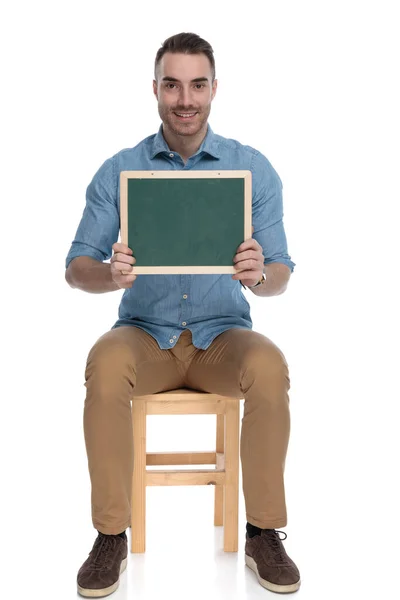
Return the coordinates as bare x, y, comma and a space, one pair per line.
123, 362
245, 364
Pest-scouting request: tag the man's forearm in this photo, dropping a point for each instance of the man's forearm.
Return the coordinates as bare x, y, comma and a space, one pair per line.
90, 275
93, 276
277, 277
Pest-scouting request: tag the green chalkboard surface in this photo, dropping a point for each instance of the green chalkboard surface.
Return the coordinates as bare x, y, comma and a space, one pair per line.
185, 221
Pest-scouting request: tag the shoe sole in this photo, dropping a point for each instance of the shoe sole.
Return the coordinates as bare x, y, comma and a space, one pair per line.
272, 587
105, 591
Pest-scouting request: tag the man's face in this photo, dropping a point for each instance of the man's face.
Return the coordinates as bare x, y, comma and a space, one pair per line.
184, 91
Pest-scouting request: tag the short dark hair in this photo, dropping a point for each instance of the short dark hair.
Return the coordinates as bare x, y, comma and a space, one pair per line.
186, 43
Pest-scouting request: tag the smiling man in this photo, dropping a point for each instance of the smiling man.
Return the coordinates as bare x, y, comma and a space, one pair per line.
190, 331
184, 100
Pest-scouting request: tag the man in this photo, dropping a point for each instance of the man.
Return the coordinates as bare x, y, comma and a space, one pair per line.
184, 330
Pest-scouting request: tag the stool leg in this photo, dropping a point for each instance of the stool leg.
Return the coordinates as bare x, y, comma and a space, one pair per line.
219, 489
231, 505
138, 504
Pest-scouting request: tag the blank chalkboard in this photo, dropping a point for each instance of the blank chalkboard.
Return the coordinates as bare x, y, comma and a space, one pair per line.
185, 221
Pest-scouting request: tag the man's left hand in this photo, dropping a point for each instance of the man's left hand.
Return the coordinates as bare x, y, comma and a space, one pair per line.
249, 262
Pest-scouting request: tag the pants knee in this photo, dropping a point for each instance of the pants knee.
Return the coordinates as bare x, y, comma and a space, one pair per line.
267, 366
108, 361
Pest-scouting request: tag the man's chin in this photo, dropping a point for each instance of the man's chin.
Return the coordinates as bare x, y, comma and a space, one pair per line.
185, 130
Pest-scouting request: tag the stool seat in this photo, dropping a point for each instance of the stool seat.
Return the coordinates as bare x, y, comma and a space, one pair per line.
225, 474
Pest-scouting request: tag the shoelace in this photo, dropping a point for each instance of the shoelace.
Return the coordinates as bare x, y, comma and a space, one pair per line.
105, 545
275, 544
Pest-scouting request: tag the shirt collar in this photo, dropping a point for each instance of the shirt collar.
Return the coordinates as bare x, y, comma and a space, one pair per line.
209, 145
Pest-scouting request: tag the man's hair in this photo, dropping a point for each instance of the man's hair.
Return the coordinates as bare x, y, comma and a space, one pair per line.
186, 43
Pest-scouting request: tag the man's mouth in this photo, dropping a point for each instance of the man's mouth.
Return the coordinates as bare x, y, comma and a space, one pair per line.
183, 116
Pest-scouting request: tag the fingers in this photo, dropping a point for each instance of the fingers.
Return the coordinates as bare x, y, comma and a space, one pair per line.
247, 265
249, 255
119, 247
122, 258
250, 244
122, 268
124, 281
244, 275
120, 277
121, 265
123, 262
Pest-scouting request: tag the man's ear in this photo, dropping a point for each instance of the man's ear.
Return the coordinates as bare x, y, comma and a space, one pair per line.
155, 88
214, 89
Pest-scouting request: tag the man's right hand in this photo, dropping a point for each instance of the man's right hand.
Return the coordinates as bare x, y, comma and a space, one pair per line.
121, 261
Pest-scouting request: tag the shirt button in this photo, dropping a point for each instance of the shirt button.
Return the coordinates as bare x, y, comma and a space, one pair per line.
184, 323
171, 341
185, 296
174, 336
171, 155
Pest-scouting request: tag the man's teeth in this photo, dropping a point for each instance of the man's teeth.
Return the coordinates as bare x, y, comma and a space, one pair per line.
187, 115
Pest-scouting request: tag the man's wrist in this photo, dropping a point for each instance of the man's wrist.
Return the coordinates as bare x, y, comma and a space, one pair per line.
259, 282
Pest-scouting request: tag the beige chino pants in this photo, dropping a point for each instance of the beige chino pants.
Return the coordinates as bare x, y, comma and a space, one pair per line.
242, 363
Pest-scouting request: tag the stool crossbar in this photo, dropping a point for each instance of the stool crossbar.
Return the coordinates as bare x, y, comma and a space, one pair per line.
225, 474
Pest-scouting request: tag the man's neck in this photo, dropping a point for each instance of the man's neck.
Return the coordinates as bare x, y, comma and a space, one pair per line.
185, 146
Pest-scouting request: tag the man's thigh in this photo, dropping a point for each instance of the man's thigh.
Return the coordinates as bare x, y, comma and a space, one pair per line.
234, 357
130, 352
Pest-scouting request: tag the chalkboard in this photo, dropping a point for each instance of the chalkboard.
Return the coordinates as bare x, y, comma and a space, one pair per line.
185, 221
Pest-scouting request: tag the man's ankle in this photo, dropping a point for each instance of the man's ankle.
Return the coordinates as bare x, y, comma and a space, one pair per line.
253, 530
122, 534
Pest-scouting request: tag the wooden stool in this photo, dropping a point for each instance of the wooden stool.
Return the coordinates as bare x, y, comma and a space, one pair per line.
225, 475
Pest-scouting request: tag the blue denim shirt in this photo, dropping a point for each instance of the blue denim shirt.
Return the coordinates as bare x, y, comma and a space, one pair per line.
165, 305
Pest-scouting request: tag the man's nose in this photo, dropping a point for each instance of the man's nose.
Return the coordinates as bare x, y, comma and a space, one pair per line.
185, 97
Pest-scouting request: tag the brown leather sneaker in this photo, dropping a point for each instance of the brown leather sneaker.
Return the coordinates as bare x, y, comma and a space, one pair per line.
99, 574
267, 557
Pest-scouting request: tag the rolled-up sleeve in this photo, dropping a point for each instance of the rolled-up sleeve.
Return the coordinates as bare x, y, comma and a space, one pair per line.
99, 226
267, 212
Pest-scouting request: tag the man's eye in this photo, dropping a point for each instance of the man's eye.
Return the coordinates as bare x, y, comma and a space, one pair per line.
170, 85
199, 86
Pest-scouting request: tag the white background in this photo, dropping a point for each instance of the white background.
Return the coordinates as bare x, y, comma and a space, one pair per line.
314, 86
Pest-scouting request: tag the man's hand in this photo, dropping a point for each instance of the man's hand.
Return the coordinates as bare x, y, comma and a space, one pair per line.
121, 263
249, 262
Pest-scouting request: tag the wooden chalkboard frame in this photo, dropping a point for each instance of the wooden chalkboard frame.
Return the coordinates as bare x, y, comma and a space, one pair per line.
213, 269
